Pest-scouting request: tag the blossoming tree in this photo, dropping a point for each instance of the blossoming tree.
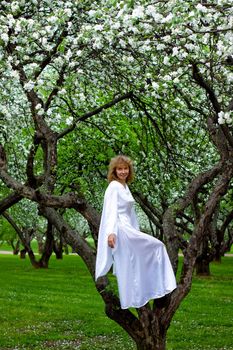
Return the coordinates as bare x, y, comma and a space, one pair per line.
64, 63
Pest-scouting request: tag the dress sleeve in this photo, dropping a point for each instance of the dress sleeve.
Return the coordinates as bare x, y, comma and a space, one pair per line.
110, 210
108, 224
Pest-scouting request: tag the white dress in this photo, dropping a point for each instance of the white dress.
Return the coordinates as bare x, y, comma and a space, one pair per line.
141, 262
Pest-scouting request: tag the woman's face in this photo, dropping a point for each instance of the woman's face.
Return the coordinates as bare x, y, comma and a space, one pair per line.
122, 172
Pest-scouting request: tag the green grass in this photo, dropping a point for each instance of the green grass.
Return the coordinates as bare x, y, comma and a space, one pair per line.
205, 318
59, 308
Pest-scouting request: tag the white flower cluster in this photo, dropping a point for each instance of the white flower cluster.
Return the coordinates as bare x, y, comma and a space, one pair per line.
225, 117
29, 85
126, 36
5, 37
40, 110
69, 121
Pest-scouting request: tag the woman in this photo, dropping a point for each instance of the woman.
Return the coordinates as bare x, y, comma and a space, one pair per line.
141, 262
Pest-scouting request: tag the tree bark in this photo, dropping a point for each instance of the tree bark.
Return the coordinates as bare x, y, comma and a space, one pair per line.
58, 249
202, 267
48, 247
9, 201
23, 253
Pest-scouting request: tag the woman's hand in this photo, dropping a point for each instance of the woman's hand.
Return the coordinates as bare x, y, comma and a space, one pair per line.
112, 240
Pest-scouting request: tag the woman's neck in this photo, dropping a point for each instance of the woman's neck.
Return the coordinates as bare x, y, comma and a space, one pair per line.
122, 182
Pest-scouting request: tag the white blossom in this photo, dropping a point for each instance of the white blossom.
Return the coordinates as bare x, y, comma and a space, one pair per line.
201, 8
29, 85
221, 119
151, 10
168, 18
92, 13
160, 46
98, 27
225, 118
48, 29
155, 85
175, 51
68, 55
10, 59
57, 117
183, 54
18, 27
58, 61
176, 80
49, 112
190, 47
79, 53
5, 37
167, 77
116, 25
166, 60
62, 92
40, 82
35, 35
10, 21
44, 41
68, 12
53, 19
122, 43
15, 74
230, 77
40, 112
38, 107
138, 12
15, 6
72, 64
31, 23
69, 120
97, 43
82, 97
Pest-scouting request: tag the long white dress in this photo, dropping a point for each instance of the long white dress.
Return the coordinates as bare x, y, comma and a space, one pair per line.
141, 262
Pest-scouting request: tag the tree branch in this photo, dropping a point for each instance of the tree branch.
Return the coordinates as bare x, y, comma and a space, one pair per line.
202, 83
94, 112
68, 200
55, 90
153, 214
48, 58
169, 219
9, 201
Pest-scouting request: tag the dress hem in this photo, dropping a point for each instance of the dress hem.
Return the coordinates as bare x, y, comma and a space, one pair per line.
154, 296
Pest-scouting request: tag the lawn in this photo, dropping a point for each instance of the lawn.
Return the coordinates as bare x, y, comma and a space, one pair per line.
59, 308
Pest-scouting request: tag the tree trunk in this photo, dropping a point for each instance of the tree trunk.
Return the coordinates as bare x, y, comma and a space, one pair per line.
152, 343
58, 249
158, 345
16, 248
218, 255
202, 264
202, 267
48, 248
151, 331
23, 253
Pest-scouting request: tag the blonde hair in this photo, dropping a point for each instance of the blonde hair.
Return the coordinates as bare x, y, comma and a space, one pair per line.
114, 163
